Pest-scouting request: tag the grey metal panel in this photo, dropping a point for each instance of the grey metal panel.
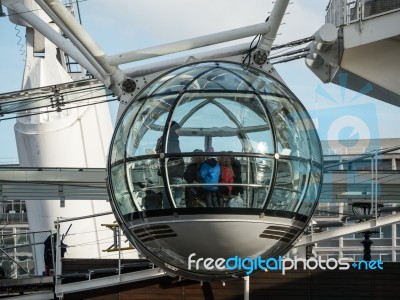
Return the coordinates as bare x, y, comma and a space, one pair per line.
53, 183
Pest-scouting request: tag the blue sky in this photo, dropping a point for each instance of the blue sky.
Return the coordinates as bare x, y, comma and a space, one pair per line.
145, 23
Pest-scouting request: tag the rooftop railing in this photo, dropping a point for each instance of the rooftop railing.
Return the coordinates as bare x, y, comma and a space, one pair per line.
343, 12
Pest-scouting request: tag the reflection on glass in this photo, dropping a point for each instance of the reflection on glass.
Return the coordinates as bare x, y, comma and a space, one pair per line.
290, 183
291, 136
118, 150
261, 175
148, 126
143, 177
121, 193
310, 199
175, 167
152, 199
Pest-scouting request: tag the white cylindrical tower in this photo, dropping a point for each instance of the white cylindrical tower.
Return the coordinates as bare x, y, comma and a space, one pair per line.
73, 137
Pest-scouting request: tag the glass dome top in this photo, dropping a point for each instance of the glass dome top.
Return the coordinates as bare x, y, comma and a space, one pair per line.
214, 136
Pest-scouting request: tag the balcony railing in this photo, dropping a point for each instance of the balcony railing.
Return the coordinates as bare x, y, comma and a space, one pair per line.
343, 12
13, 218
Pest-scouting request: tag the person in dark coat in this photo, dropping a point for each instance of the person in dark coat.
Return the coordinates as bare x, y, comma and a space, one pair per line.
173, 138
237, 176
49, 252
175, 165
192, 193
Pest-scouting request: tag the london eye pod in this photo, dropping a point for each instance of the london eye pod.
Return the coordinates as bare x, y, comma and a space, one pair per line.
226, 113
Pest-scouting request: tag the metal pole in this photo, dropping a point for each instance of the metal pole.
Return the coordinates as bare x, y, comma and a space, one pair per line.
274, 21
193, 43
246, 287
364, 156
376, 185
372, 182
61, 42
83, 37
119, 252
83, 217
150, 68
58, 255
35, 254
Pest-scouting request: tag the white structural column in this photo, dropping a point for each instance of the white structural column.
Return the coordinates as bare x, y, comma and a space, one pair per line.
73, 138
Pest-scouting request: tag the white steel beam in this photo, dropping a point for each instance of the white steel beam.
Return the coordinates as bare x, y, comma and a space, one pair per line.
274, 21
61, 42
151, 68
267, 29
193, 43
108, 281
53, 175
359, 227
76, 31
46, 183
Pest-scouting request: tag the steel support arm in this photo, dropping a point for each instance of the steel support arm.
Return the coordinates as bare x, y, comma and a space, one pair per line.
61, 42
198, 42
274, 21
78, 32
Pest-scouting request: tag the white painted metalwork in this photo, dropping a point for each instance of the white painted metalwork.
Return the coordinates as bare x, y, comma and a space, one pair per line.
188, 44
63, 43
76, 31
342, 12
61, 289
369, 29
359, 227
76, 137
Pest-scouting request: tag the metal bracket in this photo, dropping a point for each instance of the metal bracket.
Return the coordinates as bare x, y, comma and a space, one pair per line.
62, 196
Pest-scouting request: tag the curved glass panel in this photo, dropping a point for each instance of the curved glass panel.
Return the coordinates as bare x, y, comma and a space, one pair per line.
312, 193
233, 122
290, 184
148, 126
118, 150
162, 80
143, 179
291, 136
236, 121
212, 151
120, 190
315, 149
262, 177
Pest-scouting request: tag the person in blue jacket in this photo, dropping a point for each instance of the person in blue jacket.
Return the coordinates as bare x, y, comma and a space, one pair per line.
209, 173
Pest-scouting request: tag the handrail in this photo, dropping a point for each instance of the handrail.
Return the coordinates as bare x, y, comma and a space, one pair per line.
364, 156
343, 12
